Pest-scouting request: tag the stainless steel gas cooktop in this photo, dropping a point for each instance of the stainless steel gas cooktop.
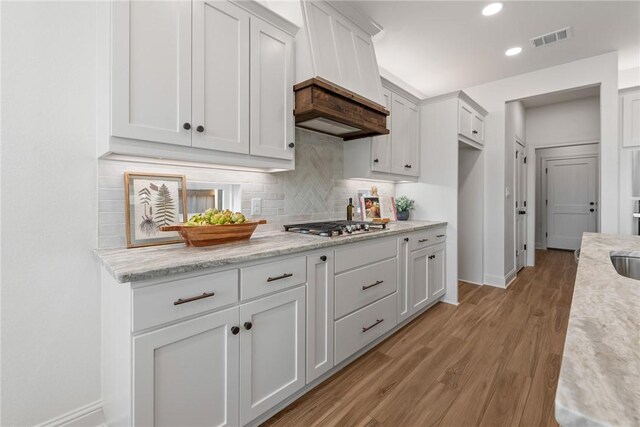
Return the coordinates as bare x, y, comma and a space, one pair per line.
335, 228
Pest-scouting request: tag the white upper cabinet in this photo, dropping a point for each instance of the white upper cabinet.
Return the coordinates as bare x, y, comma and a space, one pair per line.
340, 50
220, 76
630, 119
470, 122
412, 141
214, 77
404, 137
272, 121
151, 71
381, 145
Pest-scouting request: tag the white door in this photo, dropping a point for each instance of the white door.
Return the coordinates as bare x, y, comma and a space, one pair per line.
151, 86
465, 120
571, 201
436, 270
220, 76
187, 374
412, 141
272, 351
399, 107
381, 145
320, 288
272, 121
419, 278
520, 195
404, 288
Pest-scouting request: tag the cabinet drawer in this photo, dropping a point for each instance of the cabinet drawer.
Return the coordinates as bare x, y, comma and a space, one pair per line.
420, 240
365, 285
359, 254
437, 235
155, 305
364, 326
266, 278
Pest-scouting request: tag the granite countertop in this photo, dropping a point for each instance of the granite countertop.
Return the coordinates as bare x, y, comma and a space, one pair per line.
599, 382
130, 265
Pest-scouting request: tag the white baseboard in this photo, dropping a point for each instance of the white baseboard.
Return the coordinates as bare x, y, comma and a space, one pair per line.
510, 277
470, 282
90, 415
500, 281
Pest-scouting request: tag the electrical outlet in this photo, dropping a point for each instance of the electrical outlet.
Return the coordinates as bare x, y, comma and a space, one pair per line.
256, 206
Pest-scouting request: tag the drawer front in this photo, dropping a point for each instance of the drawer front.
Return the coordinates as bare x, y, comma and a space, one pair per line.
364, 326
267, 278
365, 285
420, 240
360, 254
438, 235
155, 305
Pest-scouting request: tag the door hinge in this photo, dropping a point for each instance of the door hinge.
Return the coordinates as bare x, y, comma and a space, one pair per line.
546, 170
546, 202
516, 203
525, 160
525, 247
516, 154
546, 234
525, 203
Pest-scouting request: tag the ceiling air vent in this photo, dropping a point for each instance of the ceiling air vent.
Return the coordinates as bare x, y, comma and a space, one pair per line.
552, 37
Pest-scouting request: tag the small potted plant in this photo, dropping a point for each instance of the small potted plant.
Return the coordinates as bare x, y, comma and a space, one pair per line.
403, 206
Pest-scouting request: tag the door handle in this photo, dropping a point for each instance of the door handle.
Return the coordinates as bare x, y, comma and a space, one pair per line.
592, 210
592, 203
522, 212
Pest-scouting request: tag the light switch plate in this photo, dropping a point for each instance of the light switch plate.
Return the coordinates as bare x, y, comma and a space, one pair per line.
256, 206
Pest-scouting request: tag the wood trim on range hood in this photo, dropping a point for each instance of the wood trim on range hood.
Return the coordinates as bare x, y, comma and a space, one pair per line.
331, 109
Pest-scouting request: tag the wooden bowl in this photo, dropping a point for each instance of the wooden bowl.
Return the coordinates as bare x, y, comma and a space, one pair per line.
208, 235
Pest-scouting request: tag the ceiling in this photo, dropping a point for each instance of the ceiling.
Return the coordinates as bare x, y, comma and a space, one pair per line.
562, 96
441, 46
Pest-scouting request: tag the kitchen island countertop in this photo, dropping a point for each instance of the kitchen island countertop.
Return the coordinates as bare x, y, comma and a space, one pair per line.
130, 265
599, 382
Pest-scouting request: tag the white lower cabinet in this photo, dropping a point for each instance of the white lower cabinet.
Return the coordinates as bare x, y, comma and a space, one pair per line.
426, 276
272, 349
187, 374
436, 272
320, 302
404, 290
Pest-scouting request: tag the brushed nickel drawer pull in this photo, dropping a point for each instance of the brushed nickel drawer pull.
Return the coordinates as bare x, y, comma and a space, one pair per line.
422, 240
284, 276
378, 321
204, 295
365, 287
440, 235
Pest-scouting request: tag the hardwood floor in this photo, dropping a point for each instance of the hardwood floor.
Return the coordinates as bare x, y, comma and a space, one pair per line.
493, 360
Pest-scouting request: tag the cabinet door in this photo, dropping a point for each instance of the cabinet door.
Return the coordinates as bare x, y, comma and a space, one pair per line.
220, 76
436, 271
412, 141
381, 145
404, 290
272, 121
419, 279
151, 71
272, 354
477, 128
631, 119
399, 116
465, 119
187, 374
320, 289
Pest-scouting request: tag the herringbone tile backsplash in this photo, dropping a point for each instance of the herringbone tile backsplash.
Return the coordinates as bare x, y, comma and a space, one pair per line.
315, 190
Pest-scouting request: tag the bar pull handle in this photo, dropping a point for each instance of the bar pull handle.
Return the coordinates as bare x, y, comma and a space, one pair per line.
440, 235
284, 276
186, 300
366, 328
365, 287
423, 240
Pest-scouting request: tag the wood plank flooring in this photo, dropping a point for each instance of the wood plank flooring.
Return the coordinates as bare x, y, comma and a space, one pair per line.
493, 360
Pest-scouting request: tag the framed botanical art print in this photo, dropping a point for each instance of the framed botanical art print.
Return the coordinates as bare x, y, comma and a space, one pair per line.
152, 201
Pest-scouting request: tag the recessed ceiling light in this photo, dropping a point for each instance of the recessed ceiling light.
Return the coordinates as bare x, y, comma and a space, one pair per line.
513, 51
492, 9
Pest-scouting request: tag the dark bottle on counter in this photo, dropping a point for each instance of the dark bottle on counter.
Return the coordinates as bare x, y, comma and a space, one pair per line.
350, 210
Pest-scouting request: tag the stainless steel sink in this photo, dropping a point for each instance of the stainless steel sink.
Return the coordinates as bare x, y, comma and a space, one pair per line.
628, 266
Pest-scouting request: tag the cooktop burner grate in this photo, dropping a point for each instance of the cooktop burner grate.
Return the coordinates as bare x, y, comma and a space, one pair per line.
334, 228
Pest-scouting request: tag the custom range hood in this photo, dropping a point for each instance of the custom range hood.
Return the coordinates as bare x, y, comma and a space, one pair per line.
340, 91
328, 108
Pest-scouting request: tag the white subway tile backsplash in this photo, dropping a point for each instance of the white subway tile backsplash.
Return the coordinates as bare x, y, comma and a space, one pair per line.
314, 191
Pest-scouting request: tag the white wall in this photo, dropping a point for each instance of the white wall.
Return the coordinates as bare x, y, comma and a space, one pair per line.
50, 291
564, 122
602, 69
